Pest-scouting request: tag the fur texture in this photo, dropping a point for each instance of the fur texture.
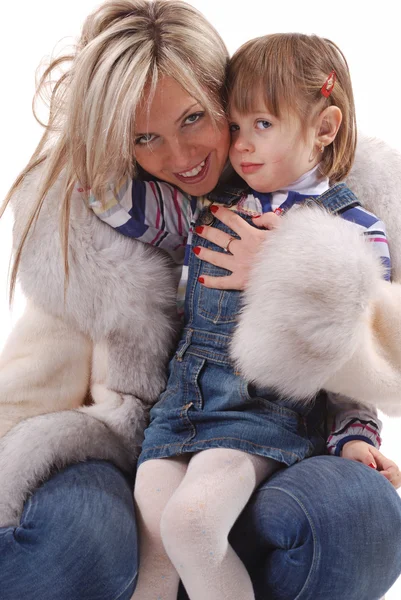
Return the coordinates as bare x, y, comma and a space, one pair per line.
373, 373
317, 313
44, 367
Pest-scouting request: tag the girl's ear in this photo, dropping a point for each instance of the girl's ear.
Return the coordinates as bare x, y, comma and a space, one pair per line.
329, 123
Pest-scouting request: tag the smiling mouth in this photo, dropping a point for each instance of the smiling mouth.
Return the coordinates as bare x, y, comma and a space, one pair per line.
195, 174
194, 171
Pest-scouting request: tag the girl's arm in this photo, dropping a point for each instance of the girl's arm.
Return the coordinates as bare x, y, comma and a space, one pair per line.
374, 232
351, 421
355, 434
152, 212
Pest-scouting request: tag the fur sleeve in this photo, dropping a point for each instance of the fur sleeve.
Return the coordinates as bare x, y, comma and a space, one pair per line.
317, 314
120, 304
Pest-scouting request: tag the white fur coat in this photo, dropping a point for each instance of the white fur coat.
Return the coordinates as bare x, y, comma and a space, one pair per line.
335, 325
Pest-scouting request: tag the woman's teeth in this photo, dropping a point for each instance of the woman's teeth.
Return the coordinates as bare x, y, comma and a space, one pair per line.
193, 171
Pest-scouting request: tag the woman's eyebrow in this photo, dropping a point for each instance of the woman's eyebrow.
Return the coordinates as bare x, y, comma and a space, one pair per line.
186, 111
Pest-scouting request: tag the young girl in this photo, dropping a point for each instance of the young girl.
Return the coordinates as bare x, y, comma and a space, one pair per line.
293, 129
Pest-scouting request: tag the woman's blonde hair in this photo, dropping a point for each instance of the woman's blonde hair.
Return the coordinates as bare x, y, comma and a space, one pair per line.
125, 47
289, 69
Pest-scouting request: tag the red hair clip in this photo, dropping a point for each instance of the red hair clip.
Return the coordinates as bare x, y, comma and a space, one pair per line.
328, 85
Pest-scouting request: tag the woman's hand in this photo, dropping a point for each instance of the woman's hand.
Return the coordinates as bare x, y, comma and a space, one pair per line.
240, 253
372, 457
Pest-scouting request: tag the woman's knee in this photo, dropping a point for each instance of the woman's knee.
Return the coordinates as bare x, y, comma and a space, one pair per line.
77, 538
321, 517
276, 540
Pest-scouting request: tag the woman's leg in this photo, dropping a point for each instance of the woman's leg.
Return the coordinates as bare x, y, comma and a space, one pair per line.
156, 482
197, 520
325, 528
77, 539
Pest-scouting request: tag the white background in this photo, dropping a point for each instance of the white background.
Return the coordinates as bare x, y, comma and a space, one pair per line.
368, 33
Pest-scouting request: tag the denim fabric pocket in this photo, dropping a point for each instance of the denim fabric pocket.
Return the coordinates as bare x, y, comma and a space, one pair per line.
221, 388
218, 306
269, 401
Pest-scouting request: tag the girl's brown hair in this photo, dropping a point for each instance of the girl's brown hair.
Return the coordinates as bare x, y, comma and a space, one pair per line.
289, 69
126, 46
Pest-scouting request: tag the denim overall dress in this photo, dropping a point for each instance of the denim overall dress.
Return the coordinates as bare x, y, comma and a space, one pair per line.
207, 403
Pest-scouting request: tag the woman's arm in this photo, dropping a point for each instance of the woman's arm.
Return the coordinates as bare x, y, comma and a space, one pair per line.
121, 295
317, 312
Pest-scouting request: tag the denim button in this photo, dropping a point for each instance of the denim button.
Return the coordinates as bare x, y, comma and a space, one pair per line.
206, 218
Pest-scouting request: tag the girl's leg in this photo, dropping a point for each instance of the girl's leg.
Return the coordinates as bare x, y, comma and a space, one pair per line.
156, 481
197, 520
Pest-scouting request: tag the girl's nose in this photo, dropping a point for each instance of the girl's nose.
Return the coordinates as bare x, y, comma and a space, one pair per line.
242, 143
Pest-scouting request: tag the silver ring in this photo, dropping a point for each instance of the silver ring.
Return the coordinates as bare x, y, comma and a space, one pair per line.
227, 246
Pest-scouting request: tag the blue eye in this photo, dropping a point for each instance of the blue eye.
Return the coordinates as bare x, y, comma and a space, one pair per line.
194, 118
262, 124
233, 127
145, 139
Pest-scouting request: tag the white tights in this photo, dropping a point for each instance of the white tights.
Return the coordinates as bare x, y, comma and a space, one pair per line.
185, 512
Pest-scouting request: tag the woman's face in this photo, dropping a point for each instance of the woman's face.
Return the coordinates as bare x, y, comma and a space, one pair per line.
176, 141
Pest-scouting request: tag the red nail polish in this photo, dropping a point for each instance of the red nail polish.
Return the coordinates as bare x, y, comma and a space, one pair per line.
372, 466
199, 229
196, 250
257, 217
201, 279
214, 208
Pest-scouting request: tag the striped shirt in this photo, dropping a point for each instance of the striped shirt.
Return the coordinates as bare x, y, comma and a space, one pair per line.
351, 421
159, 214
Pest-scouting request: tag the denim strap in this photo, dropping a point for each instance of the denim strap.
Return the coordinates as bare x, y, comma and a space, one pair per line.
335, 200
226, 194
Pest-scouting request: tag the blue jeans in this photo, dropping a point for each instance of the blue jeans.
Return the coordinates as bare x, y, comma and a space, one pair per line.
323, 528
77, 539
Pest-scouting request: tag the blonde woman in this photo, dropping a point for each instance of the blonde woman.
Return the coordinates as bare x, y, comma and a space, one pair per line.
77, 534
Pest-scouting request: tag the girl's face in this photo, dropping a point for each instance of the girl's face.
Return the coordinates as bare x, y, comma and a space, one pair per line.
176, 141
271, 153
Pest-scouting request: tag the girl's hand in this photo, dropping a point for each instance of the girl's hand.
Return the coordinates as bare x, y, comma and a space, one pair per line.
372, 457
241, 252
